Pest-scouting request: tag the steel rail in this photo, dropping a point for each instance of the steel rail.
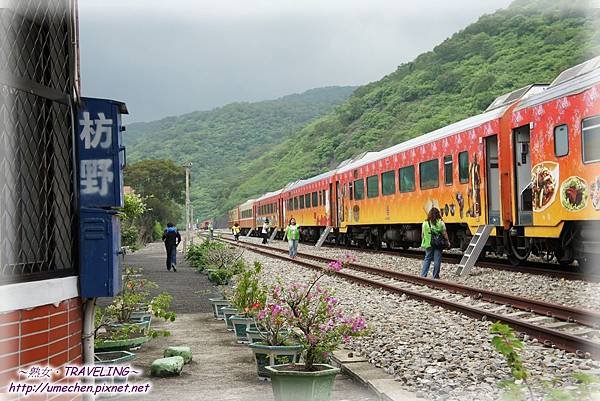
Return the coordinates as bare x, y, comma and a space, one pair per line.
547, 336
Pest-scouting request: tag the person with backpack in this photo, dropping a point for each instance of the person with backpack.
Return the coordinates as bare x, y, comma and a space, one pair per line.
171, 238
434, 239
236, 231
292, 233
265, 231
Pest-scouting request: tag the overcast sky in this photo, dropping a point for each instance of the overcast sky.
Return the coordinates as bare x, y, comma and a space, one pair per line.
171, 57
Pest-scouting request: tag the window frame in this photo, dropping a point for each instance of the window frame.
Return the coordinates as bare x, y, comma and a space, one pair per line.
460, 178
583, 138
450, 163
437, 164
296, 204
301, 201
383, 193
414, 178
315, 199
362, 196
307, 200
376, 177
567, 137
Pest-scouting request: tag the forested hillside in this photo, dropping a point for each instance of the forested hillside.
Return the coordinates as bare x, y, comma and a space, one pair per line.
531, 41
222, 142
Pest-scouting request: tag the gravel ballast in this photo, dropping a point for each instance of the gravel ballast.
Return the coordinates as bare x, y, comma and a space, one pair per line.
439, 354
574, 293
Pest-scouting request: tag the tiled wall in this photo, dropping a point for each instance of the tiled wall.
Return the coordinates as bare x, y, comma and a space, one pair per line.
48, 335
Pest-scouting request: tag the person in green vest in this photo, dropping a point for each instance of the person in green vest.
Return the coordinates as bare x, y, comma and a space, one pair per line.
211, 230
434, 239
292, 232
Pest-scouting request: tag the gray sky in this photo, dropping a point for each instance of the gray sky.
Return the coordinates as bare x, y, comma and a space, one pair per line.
171, 57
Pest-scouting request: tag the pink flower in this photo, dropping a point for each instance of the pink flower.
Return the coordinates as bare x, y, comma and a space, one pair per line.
335, 266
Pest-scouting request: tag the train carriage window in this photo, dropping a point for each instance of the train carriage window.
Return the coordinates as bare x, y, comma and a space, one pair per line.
406, 178
351, 190
290, 204
307, 201
561, 140
359, 189
463, 167
388, 182
591, 139
373, 186
301, 201
315, 199
296, 203
448, 170
429, 173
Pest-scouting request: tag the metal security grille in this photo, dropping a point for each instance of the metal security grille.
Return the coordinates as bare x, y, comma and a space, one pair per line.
37, 194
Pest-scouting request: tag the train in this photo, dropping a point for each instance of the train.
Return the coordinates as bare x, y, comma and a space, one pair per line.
529, 166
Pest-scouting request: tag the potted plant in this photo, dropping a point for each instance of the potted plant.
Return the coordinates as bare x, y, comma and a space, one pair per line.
275, 345
248, 297
316, 313
125, 323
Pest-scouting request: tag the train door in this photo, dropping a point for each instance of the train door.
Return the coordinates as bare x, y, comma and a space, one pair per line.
329, 205
339, 213
281, 212
522, 171
493, 180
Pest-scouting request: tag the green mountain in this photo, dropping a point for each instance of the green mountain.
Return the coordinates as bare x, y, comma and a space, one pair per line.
222, 143
529, 42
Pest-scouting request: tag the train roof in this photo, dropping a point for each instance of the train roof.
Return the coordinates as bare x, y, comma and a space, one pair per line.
248, 203
573, 80
268, 195
301, 183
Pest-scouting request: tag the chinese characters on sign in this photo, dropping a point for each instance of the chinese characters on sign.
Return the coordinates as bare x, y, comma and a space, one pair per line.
96, 174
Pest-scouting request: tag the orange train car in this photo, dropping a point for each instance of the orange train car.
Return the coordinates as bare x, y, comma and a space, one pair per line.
529, 166
310, 203
269, 206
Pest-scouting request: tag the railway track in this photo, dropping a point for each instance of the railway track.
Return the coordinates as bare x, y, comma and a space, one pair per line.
531, 267
571, 329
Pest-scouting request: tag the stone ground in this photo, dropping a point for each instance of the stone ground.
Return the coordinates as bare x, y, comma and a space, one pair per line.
221, 369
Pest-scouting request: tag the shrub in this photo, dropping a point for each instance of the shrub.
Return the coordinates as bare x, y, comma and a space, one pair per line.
197, 254
157, 231
249, 295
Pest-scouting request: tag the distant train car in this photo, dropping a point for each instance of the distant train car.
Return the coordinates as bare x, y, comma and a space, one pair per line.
310, 203
204, 224
246, 216
269, 206
233, 216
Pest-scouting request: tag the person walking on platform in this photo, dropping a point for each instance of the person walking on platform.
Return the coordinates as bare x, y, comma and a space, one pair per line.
434, 239
292, 232
171, 238
211, 230
265, 231
236, 231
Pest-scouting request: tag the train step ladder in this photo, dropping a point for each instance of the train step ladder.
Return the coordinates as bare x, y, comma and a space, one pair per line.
249, 232
474, 249
323, 237
273, 234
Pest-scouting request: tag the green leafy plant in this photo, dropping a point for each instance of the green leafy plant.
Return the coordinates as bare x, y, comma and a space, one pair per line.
115, 318
520, 388
249, 295
197, 255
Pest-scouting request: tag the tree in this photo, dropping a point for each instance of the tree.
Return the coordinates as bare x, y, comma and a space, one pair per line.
161, 183
162, 179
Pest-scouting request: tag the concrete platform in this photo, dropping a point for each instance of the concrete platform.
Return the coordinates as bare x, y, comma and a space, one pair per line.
381, 383
221, 369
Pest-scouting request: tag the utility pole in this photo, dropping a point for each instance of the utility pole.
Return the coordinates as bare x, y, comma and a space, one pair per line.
187, 242
192, 223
